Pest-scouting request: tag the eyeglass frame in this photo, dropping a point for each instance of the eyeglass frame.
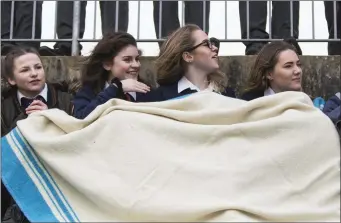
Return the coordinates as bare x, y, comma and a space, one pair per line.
207, 42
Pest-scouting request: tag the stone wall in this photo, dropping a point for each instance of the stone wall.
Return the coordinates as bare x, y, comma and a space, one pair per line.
321, 74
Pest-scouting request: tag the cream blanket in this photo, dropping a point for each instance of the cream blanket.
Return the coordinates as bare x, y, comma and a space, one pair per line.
202, 158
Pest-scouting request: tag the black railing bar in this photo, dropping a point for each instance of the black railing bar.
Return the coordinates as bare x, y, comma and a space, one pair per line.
161, 40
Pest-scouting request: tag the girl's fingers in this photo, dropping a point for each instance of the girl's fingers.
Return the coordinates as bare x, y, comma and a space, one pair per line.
34, 107
141, 90
145, 87
32, 111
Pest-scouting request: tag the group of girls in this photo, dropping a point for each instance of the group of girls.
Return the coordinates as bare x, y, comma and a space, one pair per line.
188, 62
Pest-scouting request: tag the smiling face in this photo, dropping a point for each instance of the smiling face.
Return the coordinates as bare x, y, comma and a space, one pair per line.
205, 54
28, 74
125, 65
287, 73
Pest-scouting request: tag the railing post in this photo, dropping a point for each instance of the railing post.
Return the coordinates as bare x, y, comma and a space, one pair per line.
204, 16
12, 21
335, 19
247, 19
269, 3
95, 16
291, 19
34, 20
138, 18
75, 30
160, 20
55, 21
117, 15
313, 18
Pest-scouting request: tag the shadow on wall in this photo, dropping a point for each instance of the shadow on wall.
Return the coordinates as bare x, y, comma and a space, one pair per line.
321, 74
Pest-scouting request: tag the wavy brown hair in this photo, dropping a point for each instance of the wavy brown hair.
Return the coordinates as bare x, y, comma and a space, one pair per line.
108, 47
170, 66
265, 62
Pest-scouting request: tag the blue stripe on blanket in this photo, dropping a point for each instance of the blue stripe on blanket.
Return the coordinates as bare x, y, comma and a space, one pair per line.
30, 184
52, 207
15, 178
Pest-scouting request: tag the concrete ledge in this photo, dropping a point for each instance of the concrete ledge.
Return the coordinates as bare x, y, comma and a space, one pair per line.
321, 74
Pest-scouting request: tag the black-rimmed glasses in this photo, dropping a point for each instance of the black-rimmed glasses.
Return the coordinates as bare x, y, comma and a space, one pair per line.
208, 42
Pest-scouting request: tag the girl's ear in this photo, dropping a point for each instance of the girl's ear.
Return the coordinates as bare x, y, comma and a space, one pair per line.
11, 81
107, 66
187, 57
269, 76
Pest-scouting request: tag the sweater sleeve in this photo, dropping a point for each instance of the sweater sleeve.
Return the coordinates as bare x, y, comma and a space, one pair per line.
85, 100
6, 129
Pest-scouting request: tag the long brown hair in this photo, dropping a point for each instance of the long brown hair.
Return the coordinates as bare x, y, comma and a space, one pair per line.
170, 66
108, 47
265, 62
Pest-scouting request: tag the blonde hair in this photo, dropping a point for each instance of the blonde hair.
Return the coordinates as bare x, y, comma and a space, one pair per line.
170, 66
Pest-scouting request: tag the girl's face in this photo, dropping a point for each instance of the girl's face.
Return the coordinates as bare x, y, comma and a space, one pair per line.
287, 73
126, 64
205, 54
28, 74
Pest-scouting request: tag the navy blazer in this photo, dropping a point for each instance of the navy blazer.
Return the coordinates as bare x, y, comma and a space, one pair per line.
85, 100
167, 92
251, 95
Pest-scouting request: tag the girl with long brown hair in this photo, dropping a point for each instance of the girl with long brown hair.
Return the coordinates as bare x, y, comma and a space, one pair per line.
188, 63
276, 69
111, 71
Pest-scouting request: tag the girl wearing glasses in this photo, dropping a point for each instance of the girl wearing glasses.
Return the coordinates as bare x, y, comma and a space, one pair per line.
188, 63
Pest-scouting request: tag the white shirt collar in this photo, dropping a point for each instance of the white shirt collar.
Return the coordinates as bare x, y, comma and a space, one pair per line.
43, 93
184, 83
133, 94
338, 95
268, 92
106, 85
